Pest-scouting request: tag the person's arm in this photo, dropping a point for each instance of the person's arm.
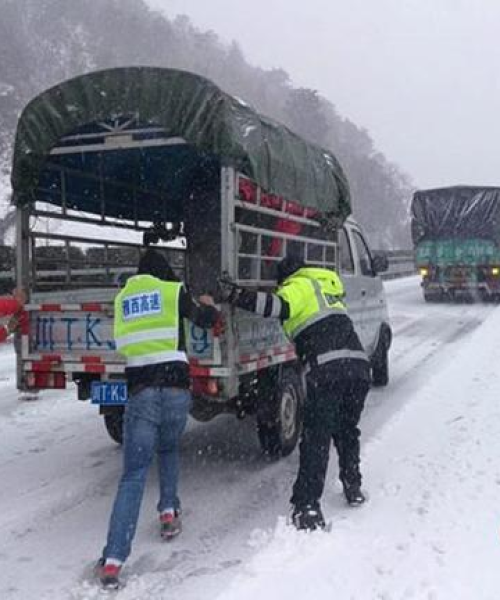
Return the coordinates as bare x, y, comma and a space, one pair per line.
10, 327
203, 315
10, 305
262, 303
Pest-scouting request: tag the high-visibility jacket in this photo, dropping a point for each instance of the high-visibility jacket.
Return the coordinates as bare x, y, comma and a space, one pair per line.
312, 294
146, 325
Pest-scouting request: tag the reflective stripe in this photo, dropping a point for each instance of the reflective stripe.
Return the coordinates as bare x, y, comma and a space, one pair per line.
154, 359
160, 333
317, 291
318, 317
320, 296
339, 354
260, 303
276, 309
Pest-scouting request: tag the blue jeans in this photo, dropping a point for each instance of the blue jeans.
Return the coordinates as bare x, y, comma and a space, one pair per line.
155, 419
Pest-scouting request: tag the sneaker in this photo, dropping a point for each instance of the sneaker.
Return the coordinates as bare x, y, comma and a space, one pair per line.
308, 518
170, 524
354, 496
109, 574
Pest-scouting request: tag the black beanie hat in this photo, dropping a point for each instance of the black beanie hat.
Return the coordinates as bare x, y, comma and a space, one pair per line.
288, 266
155, 264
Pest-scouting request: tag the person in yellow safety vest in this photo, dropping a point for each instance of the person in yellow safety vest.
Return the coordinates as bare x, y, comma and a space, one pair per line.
309, 302
149, 333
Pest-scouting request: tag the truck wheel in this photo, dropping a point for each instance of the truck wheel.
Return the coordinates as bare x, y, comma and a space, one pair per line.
380, 363
279, 413
434, 296
114, 426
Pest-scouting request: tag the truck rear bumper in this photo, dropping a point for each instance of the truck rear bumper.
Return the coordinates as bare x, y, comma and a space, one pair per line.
457, 289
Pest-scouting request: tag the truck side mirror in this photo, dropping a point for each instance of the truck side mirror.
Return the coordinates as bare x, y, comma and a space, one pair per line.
380, 262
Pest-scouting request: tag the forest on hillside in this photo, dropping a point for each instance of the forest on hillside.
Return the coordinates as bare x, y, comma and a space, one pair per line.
45, 41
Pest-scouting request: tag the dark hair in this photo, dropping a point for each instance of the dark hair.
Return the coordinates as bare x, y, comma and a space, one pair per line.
288, 266
155, 264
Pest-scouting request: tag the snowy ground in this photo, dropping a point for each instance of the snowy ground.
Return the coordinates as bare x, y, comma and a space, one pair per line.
429, 531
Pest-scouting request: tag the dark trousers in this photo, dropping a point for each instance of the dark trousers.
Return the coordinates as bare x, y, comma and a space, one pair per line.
332, 410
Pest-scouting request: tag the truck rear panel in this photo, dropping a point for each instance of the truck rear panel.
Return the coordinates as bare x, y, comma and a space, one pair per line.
453, 267
77, 340
66, 342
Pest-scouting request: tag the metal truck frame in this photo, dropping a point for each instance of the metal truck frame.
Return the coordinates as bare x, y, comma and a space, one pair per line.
117, 156
248, 368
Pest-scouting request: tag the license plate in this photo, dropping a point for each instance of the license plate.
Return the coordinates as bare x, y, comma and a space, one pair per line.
110, 394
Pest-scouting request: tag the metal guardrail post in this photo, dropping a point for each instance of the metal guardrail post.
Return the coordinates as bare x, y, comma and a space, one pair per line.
401, 264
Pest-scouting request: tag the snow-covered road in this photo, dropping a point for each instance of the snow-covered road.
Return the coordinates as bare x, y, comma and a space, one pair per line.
59, 471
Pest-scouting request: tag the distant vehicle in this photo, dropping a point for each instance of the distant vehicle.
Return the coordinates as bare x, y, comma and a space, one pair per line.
165, 155
456, 232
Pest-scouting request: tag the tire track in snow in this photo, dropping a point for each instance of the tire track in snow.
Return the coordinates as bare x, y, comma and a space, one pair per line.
228, 491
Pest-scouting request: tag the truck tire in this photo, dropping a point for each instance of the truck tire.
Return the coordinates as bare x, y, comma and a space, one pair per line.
380, 362
114, 425
433, 296
279, 413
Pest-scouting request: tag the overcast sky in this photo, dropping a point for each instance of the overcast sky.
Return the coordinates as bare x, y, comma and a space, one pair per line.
423, 76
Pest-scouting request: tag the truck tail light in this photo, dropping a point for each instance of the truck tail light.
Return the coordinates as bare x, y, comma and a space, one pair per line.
43, 381
206, 386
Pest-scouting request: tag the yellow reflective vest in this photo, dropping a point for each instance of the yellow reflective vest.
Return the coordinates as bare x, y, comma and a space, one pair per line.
146, 325
312, 295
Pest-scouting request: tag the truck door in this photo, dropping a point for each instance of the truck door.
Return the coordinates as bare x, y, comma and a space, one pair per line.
370, 289
352, 284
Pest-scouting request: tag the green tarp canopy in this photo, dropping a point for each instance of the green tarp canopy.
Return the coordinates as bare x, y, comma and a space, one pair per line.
186, 106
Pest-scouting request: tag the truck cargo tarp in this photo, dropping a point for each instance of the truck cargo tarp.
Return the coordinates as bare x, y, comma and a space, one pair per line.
460, 212
186, 106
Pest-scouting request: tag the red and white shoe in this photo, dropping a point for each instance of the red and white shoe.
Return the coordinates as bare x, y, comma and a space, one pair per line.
108, 572
170, 524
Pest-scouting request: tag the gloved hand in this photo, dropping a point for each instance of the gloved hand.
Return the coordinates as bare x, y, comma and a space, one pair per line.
229, 290
12, 324
206, 300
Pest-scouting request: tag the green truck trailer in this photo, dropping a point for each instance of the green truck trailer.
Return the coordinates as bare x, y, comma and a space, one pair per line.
456, 234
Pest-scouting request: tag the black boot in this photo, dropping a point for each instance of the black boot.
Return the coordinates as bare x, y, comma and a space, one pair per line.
354, 495
308, 518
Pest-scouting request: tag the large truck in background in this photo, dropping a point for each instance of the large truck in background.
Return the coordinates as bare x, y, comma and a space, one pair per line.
111, 160
456, 233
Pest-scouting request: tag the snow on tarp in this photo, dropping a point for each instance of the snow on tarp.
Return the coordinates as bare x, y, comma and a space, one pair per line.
458, 212
187, 106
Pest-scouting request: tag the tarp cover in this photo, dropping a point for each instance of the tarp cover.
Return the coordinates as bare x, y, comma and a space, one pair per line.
190, 107
460, 212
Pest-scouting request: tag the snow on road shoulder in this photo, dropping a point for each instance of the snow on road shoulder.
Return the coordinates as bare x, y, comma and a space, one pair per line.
432, 526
